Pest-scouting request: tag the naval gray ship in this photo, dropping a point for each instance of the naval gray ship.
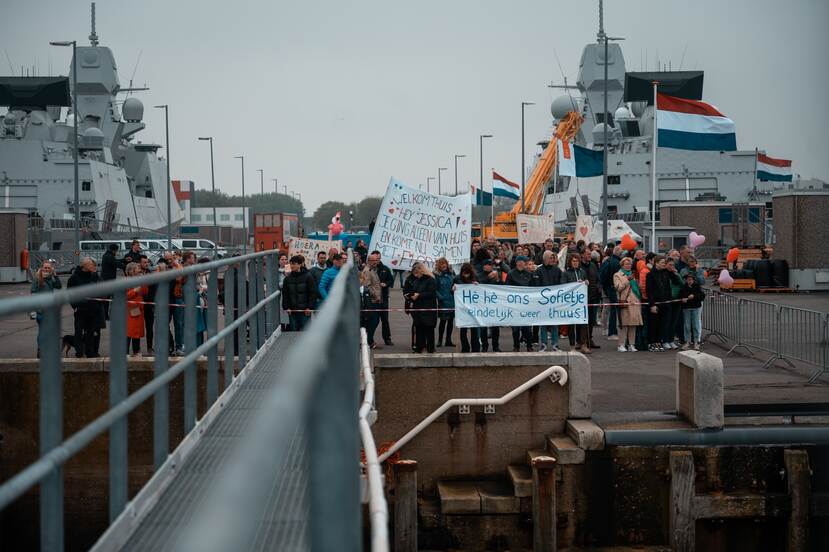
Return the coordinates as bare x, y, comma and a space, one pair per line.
682, 175
122, 181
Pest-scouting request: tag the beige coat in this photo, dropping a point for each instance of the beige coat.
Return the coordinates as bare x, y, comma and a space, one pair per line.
632, 314
371, 281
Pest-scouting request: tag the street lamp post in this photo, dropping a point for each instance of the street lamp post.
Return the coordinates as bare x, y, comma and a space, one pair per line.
605, 118
213, 188
523, 159
244, 214
429, 180
74, 45
481, 159
440, 169
275, 185
285, 188
456, 172
169, 180
261, 181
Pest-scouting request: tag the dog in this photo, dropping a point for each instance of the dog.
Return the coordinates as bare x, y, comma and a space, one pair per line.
68, 344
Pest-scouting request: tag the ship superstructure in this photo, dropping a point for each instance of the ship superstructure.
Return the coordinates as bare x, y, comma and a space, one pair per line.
122, 182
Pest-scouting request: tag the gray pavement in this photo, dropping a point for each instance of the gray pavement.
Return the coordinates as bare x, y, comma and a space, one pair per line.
621, 381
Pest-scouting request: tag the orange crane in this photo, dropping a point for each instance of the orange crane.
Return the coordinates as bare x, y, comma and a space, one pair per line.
566, 129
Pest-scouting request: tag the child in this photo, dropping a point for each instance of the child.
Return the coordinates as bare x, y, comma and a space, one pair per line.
692, 295
135, 311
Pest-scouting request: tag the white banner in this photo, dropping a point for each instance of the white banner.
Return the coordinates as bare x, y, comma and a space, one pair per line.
584, 227
480, 305
414, 225
309, 248
535, 228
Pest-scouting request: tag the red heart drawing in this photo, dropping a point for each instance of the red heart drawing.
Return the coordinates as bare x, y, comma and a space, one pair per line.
463, 222
526, 231
583, 230
391, 211
394, 261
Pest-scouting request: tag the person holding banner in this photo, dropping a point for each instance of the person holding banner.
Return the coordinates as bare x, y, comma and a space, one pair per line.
490, 273
575, 273
445, 279
424, 301
468, 276
548, 274
520, 276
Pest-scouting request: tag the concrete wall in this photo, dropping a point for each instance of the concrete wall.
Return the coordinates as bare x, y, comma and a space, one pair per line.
410, 387
85, 397
801, 230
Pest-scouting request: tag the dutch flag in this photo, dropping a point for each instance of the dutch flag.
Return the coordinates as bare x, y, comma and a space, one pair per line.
769, 168
693, 125
504, 188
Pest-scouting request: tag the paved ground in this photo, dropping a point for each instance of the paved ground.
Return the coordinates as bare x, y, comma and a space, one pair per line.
621, 381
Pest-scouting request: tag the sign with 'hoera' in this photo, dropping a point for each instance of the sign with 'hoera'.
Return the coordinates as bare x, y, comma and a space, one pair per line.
480, 305
414, 225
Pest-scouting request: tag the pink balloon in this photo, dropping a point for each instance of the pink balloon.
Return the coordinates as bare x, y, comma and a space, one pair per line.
695, 240
725, 279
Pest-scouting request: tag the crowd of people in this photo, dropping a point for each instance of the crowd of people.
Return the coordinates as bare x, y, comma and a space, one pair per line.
644, 301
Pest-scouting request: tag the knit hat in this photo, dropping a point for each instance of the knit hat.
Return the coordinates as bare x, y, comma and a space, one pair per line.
522, 258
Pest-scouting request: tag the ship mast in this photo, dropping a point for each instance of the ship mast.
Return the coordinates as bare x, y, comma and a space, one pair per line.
93, 36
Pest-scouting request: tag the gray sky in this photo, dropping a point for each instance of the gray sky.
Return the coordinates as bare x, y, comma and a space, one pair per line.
335, 97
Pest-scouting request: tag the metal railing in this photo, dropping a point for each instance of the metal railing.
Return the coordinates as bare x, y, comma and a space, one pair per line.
65, 261
557, 374
317, 392
378, 509
250, 300
786, 333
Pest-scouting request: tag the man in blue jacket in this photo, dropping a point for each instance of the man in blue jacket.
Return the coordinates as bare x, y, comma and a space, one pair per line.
330, 274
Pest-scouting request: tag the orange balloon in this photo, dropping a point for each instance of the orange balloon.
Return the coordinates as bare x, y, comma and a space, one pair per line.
733, 254
628, 243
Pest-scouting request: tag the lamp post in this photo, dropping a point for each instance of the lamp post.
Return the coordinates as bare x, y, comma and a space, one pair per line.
456, 172
440, 169
74, 45
481, 159
429, 179
261, 181
212, 188
523, 159
285, 188
605, 118
275, 185
169, 180
244, 213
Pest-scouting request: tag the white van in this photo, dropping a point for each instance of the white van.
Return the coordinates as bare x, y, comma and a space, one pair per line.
200, 245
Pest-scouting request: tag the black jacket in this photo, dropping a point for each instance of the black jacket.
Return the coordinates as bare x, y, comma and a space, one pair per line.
386, 277
547, 276
572, 275
607, 270
299, 291
426, 288
517, 277
591, 274
109, 266
658, 286
696, 291
90, 309
130, 257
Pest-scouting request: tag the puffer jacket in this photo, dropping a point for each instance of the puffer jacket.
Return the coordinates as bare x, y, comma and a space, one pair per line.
299, 290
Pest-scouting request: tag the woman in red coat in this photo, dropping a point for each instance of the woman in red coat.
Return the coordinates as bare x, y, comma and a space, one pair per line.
135, 311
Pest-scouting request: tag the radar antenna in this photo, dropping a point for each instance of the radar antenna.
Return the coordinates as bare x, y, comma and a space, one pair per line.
600, 35
93, 36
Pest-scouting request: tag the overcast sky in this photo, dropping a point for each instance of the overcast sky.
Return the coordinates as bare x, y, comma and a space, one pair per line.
333, 97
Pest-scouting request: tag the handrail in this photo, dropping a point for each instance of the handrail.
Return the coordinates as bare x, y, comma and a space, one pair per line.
377, 507
229, 513
549, 372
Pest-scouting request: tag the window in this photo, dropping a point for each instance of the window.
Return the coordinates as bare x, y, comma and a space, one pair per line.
239, 217
148, 193
209, 218
614, 179
195, 218
769, 210
86, 186
204, 244
726, 215
189, 243
154, 246
224, 217
754, 214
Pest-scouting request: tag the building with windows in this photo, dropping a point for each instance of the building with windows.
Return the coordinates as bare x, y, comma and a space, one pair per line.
228, 216
723, 223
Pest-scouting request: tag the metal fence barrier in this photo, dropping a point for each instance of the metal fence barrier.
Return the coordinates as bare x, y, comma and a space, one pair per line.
786, 333
251, 300
64, 261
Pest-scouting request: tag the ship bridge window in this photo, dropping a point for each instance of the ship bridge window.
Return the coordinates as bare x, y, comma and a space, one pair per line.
614, 179
148, 193
86, 186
